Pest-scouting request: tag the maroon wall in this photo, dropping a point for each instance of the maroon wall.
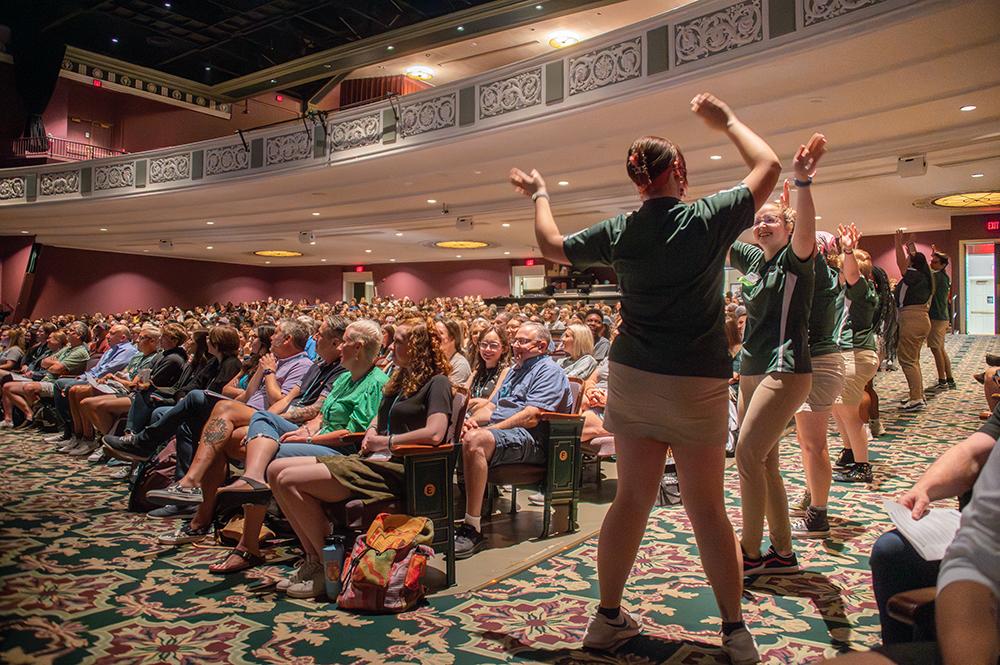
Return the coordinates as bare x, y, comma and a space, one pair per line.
883, 248
14, 254
85, 281
489, 279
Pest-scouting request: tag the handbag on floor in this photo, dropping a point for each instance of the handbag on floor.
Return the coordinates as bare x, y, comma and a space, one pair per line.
155, 474
384, 570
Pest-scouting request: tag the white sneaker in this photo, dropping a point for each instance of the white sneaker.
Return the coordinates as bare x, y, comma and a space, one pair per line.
97, 456
606, 635
6, 424
82, 448
69, 445
294, 578
914, 405
537, 499
740, 647
55, 438
121, 473
313, 582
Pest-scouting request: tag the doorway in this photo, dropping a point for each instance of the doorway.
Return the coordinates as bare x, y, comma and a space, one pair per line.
980, 290
358, 285
527, 279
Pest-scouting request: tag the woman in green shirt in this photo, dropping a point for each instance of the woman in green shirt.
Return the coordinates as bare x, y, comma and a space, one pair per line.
669, 366
776, 369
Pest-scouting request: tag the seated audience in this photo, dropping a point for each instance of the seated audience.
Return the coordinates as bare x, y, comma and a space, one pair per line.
68, 360
450, 334
491, 365
12, 342
595, 320
578, 344
159, 387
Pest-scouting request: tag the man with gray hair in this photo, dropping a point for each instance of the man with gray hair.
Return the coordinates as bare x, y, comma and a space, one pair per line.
506, 429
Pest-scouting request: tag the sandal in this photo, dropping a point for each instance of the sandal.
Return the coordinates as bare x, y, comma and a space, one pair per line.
247, 560
258, 492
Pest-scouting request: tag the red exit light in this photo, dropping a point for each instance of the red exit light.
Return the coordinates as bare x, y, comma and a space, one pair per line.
359, 268
279, 98
529, 262
97, 83
993, 225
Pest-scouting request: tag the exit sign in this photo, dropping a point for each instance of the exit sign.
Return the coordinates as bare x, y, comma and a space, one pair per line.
993, 225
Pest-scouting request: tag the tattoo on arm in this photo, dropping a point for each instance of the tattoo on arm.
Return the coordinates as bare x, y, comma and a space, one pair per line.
216, 433
298, 414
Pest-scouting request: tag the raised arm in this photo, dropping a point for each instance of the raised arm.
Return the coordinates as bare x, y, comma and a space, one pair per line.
849, 237
901, 261
765, 167
805, 162
550, 240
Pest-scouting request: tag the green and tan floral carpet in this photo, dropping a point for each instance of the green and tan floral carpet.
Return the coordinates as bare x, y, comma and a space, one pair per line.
81, 580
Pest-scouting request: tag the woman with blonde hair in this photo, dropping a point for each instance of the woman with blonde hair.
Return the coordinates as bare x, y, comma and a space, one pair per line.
578, 343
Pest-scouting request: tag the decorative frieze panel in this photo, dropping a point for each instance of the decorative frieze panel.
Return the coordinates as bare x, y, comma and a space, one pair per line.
226, 159
428, 116
170, 168
356, 133
510, 94
58, 182
114, 176
607, 66
731, 28
288, 148
11, 189
817, 11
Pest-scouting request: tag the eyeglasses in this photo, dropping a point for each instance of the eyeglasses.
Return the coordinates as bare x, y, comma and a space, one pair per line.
523, 341
490, 346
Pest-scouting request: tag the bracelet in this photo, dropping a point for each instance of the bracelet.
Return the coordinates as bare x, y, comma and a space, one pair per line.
390, 442
803, 183
540, 195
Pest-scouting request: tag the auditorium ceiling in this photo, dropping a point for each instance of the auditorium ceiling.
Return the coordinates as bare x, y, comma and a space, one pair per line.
876, 95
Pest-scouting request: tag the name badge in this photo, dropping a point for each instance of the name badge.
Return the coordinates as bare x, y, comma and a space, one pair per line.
750, 279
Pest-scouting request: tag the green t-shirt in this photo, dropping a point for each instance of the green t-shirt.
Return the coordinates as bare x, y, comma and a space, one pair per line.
862, 302
826, 317
669, 257
74, 359
350, 404
777, 294
942, 293
139, 362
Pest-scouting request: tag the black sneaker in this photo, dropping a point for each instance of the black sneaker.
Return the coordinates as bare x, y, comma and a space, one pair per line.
171, 511
468, 541
126, 448
813, 525
771, 563
992, 360
861, 472
951, 383
846, 459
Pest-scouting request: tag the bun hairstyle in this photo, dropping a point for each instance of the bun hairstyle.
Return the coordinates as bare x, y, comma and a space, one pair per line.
651, 156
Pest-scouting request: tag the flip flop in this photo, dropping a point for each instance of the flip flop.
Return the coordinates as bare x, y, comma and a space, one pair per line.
247, 560
251, 494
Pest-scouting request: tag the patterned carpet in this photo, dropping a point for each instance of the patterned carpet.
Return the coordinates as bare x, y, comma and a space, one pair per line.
83, 581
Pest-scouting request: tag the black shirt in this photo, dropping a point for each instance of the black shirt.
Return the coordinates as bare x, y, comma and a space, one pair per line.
397, 415
317, 381
484, 381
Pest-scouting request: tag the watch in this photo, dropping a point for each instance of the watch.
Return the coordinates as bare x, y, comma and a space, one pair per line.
268, 372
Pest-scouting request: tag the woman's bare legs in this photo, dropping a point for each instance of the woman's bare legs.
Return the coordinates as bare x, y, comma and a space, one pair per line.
810, 430
852, 430
301, 489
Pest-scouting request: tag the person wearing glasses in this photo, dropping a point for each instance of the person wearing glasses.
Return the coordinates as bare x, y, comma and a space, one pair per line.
492, 364
505, 430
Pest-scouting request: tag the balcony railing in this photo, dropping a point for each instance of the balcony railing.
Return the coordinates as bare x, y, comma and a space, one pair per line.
63, 149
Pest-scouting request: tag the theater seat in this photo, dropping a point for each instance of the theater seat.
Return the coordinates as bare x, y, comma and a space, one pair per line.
915, 608
596, 451
559, 479
428, 471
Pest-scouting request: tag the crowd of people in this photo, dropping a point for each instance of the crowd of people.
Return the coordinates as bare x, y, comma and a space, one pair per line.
278, 386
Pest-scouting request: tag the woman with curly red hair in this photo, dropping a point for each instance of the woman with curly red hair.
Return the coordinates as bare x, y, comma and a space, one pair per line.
416, 405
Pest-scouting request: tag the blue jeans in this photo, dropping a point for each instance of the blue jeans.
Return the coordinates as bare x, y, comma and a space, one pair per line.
184, 421
897, 567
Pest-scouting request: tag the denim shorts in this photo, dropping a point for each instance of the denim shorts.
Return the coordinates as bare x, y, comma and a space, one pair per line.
516, 446
305, 450
271, 425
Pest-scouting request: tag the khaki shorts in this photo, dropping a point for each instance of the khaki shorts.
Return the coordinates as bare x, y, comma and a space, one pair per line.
679, 410
935, 339
827, 382
46, 389
861, 368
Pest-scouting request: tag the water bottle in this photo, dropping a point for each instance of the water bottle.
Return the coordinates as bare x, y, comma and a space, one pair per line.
333, 563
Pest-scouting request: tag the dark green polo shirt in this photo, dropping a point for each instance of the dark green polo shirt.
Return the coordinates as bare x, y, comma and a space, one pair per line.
778, 295
942, 292
913, 289
862, 302
669, 258
826, 317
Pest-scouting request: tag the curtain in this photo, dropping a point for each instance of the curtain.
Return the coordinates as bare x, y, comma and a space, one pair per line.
37, 61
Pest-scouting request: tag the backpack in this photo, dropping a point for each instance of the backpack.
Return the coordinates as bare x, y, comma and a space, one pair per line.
155, 474
384, 569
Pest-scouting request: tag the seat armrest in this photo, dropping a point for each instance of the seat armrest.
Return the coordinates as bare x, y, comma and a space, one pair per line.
421, 448
554, 415
906, 606
352, 438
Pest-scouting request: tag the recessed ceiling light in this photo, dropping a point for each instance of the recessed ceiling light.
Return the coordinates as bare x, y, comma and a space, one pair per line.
328, 66
475, 43
390, 48
458, 256
315, 214
969, 200
368, 251
419, 72
478, 172
209, 247
506, 253
461, 28
968, 107
210, 223
279, 253
312, 242
167, 5
715, 157
563, 38
818, 217
538, 7
114, 40
24, 232
399, 233
145, 250
274, 80
267, 263
461, 244
323, 260
432, 200
564, 183
207, 68
977, 175
392, 260
103, 229
506, 225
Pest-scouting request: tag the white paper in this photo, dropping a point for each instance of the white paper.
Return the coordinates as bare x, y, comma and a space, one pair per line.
19, 378
930, 535
100, 387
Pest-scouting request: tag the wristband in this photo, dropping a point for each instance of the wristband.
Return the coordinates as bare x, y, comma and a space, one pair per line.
390, 443
540, 195
268, 372
803, 183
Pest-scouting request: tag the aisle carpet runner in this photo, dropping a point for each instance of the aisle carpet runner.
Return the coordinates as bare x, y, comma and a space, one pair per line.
83, 581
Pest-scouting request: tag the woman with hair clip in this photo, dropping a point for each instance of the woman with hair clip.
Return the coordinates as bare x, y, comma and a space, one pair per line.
863, 360
776, 369
913, 295
669, 366
416, 405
